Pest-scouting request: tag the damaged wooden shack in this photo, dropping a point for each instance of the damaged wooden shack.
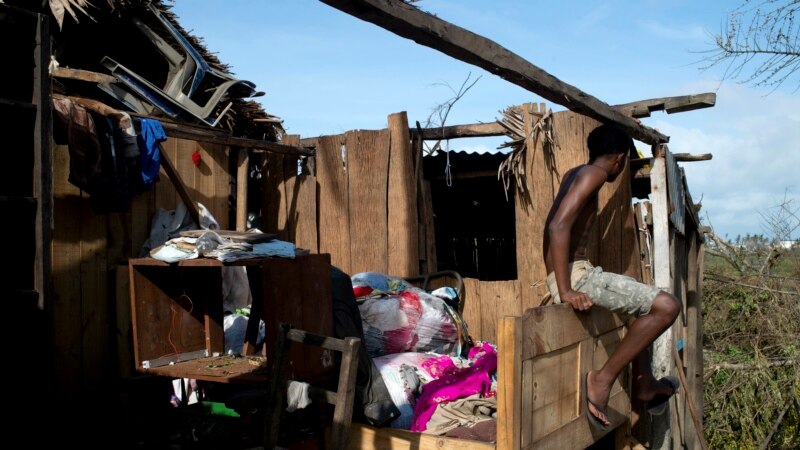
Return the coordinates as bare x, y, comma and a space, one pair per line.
224, 151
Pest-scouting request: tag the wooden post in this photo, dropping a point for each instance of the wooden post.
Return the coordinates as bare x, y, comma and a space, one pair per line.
242, 174
662, 347
509, 369
403, 239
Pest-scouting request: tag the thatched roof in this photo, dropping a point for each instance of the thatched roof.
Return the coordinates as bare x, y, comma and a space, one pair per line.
85, 31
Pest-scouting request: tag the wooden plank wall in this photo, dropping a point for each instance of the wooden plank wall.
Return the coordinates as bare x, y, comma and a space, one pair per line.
558, 348
368, 186
367, 202
88, 249
290, 199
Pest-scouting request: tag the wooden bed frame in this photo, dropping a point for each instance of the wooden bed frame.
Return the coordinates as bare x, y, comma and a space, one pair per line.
542, 357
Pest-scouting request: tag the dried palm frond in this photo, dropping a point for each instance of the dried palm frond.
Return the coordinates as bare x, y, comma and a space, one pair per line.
58, 7
514, 165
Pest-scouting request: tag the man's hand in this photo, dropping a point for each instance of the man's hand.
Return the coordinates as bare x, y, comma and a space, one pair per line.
578, 300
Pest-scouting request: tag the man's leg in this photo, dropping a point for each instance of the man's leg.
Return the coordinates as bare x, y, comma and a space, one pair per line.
641, 333
371, 393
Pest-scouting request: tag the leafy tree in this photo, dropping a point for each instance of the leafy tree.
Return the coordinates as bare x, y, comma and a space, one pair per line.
759, 44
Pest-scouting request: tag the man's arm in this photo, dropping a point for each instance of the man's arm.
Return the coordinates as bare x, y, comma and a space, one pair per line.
587, 183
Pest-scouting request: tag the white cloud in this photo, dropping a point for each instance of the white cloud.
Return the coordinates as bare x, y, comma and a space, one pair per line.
755, 142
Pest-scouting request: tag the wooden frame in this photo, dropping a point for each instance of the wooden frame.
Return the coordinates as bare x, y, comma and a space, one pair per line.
542, 357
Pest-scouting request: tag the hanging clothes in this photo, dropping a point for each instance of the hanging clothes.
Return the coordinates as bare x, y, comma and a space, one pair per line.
150, 135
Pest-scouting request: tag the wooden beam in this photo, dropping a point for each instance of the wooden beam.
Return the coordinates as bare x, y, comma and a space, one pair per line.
430, 31
643, 108
83, 75
192, 133
461, 131
197, 133
680, 157
175, 178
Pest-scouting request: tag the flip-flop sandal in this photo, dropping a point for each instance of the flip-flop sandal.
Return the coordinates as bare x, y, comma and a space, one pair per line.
594, 420
658, 404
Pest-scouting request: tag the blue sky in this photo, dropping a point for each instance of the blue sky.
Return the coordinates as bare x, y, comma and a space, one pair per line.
325, 72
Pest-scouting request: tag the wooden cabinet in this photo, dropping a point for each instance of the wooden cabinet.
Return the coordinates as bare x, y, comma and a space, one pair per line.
177, 316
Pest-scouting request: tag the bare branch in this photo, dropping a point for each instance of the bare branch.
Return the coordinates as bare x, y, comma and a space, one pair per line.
762, 38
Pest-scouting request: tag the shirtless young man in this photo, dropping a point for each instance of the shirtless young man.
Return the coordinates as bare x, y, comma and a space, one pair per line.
572, 279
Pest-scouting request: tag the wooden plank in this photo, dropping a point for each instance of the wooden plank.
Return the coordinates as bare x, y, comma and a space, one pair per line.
368, 173
242, 179
579, 433
695, 336
507, 298
552, 327
123, 330
530, 211
298, 292
660, 207
83, 75
199, 133
662, 347
334, 206
288, 165
273, 211
142, 210
472, 308
488, 312
498, 299
224, 139
66, 304
643, 108
302, 211
403, 238
194, 183
509, 383
428, 30
427, 230
367, 437
94, 299
250, 370
219, 201
42, 163
166, 194
461, 131
556, 381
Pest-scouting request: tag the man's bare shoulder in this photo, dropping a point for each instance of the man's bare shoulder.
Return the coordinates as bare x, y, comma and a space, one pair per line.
589, 175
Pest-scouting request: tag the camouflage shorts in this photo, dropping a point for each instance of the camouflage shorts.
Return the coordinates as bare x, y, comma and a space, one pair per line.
619, 293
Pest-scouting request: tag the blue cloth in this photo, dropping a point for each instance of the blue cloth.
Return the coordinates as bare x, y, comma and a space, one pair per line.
151, 134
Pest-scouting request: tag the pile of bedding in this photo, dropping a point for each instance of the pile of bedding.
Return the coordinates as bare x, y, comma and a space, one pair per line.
440, 383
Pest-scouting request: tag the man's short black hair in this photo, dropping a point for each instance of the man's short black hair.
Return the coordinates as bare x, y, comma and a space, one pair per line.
608, 139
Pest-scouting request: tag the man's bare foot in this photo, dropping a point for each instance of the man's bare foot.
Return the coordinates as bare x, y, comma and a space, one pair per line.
597, 398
